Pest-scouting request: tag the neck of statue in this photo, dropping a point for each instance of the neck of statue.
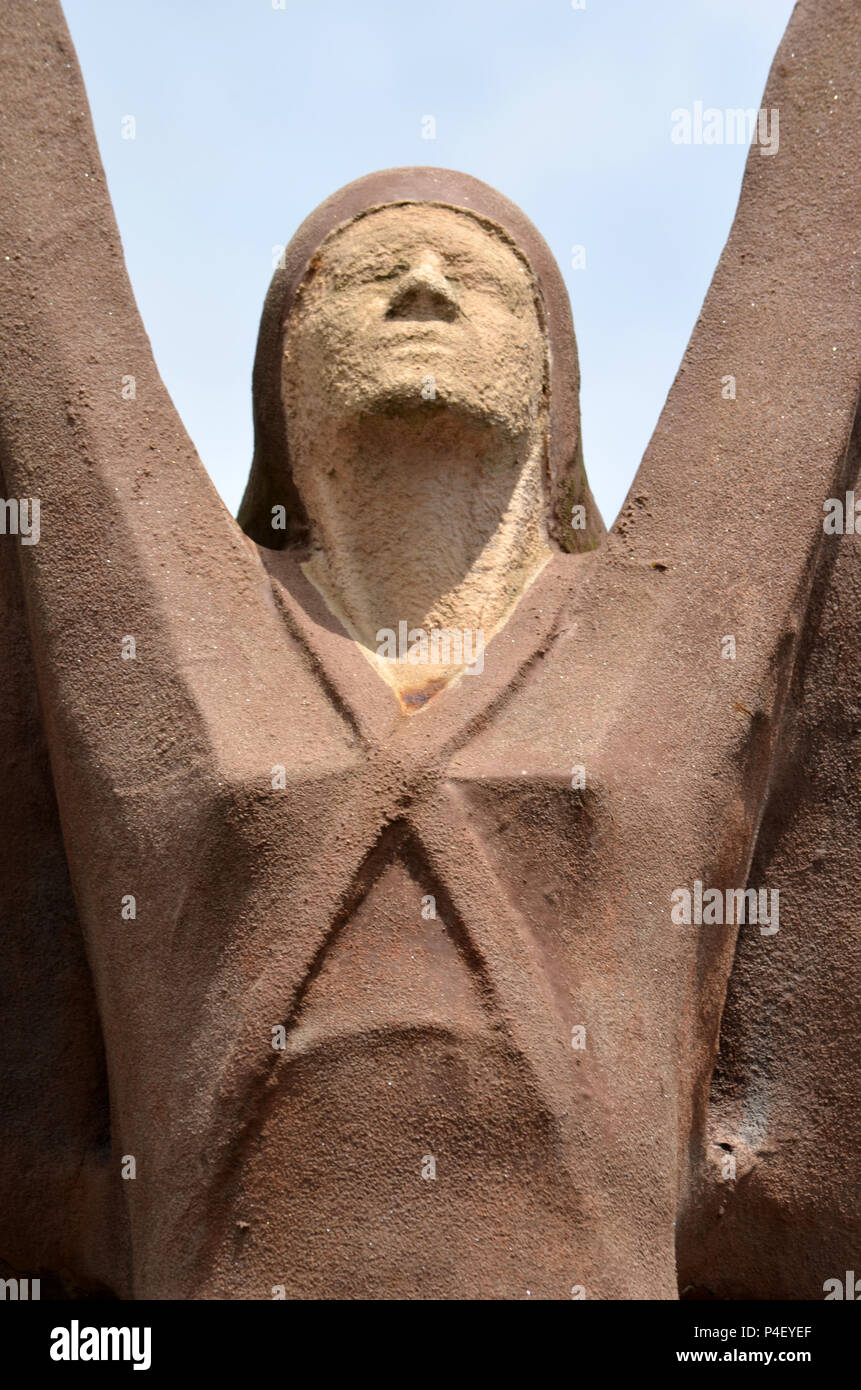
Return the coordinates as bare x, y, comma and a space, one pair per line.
424, 521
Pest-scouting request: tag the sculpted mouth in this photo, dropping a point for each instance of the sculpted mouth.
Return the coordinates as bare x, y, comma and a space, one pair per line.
416, 331
415, 328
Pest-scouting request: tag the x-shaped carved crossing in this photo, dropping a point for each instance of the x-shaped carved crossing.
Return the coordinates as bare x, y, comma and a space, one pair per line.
406, 785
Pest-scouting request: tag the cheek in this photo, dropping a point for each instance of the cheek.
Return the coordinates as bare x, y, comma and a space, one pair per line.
331, 360
517, 350
339, 332
314, 348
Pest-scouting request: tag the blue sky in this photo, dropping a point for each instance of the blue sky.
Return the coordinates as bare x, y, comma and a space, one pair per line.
247, 116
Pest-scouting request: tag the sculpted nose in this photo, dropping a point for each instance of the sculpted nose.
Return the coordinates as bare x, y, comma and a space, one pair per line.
424, 293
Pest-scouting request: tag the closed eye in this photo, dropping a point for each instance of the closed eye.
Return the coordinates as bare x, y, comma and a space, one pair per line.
483, 280
369, 272
390, 273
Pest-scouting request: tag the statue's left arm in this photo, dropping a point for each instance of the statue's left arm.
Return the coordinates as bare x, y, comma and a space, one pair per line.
744, 612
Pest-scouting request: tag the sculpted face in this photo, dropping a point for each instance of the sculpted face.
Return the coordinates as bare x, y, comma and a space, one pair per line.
412, 303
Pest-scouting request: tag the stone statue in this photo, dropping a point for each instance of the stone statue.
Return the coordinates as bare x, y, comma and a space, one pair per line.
364, 860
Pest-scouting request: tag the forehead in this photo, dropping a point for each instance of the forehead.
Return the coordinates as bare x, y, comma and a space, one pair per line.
421, 227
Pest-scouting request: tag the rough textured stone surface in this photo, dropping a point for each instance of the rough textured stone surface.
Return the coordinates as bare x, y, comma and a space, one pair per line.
298, 906
415, 384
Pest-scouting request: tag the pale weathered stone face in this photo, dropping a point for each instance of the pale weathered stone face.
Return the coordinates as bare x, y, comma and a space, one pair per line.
414, 382
411, 300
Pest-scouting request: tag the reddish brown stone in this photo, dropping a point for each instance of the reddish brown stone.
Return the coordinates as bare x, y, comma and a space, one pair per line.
448, 1038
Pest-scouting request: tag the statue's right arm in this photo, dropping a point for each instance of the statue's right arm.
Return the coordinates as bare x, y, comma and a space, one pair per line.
134, 541
138, 670
78, 384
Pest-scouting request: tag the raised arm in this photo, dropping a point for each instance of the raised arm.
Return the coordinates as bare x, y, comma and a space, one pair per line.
134, 540
79, 390
687, 653
722, 535
131, 541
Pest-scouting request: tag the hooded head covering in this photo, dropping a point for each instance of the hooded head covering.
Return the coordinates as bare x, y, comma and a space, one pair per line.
270, 482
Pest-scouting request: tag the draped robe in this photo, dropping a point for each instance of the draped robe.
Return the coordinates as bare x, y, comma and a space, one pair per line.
261, 907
